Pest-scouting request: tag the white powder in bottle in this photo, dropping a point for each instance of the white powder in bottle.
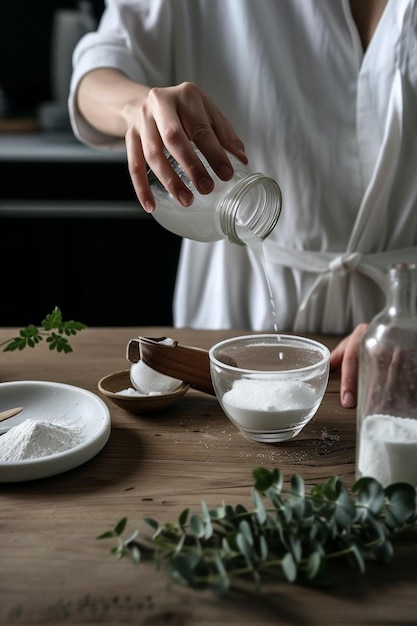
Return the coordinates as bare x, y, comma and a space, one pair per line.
388, 449
32, 439
270, 404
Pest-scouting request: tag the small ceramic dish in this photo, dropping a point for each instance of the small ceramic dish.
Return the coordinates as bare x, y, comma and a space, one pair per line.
111, 386
62, 404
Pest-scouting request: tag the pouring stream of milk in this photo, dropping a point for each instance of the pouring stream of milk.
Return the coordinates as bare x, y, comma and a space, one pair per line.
256, 245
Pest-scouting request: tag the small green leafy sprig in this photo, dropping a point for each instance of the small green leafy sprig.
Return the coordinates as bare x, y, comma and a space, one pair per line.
296, 536
32, 335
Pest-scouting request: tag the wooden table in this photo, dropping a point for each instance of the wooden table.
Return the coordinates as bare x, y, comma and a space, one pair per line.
53, 570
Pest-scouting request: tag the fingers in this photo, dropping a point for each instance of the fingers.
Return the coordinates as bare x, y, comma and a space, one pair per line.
346, 356
209, 129
169, 120
145, 148
137, 169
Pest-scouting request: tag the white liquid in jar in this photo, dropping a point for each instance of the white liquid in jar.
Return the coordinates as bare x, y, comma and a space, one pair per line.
200, 224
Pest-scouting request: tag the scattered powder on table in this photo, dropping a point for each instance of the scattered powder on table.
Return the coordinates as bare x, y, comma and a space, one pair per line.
32, 439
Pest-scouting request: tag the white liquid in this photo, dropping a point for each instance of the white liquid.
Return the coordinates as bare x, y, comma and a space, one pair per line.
257, 248
388, 449
199, 225
202, 224
271, 404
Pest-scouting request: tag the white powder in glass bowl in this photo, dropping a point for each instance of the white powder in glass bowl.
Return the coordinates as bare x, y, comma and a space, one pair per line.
270, 404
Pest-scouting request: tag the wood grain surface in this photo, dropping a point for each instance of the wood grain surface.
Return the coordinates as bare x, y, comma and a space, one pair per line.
54, 571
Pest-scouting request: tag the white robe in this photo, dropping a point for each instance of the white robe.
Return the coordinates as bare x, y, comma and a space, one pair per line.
335, 127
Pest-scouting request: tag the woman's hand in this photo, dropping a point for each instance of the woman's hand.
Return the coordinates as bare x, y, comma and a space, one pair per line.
152, 120
172, 117
346, 357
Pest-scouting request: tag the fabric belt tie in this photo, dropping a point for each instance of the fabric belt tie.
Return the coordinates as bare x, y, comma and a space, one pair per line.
331, 265
346, 263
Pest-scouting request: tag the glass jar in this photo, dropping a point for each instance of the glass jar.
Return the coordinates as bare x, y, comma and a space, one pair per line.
387, 392
243, 209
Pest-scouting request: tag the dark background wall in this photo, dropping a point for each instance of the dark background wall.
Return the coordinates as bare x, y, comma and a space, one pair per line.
25, 50
104, 268
103, 271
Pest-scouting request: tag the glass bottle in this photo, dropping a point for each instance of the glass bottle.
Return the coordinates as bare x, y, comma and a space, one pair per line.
387, 392
243, 209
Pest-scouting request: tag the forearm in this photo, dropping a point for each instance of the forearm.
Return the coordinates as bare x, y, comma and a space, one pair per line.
150, 120
106, 98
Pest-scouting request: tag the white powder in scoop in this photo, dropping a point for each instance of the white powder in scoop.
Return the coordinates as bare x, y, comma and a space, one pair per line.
388, 449
148, 381
270, 404
32, 439
130, 391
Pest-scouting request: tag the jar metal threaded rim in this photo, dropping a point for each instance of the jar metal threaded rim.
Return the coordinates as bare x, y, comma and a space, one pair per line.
261, 223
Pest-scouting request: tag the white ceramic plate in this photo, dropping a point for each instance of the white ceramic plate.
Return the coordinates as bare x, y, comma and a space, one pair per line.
61, 404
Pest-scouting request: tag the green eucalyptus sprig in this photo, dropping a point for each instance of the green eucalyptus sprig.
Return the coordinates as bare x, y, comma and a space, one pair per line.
53, 327
294, 535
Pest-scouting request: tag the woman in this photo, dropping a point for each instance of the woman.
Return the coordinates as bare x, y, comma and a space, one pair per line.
318, 94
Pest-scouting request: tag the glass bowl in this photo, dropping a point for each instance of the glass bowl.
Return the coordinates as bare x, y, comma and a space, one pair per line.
269, 386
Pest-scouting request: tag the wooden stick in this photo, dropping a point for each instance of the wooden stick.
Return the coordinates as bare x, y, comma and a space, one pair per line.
4, 415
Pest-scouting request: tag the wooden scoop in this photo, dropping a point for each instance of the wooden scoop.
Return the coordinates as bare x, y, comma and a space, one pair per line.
189, 364
4, 415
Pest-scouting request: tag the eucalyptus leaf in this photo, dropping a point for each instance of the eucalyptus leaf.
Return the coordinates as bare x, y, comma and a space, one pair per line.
185, 565
384, 552
291, 534
314, 565
401, 504
289, 567
370, 494
244, 542
208, 529
263, 479
345, 510
135, 553
259, 506
297, 486
263, 548
151, 522
197, 526
120, 526
296, 548
221, 583
182, 520
356, 558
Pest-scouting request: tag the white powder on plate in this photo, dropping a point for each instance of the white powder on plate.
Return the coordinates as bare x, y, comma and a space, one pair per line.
388, 449
32, 439
270, 404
